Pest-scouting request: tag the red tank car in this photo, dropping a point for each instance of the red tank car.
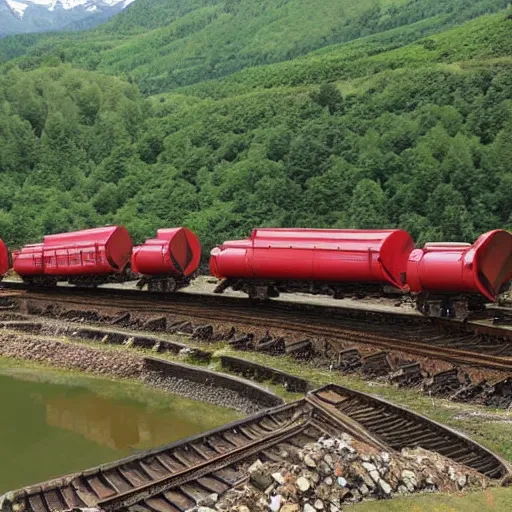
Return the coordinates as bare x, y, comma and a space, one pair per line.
167, 261
313, 260
455, 279
5, 259
87, 257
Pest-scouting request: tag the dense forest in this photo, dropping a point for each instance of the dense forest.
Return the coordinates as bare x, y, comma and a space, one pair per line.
226, 115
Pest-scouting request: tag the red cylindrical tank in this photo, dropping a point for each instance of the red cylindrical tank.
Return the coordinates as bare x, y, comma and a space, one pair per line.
90, 251
174, 251
5, 262
333, 255
29, 260
462, 268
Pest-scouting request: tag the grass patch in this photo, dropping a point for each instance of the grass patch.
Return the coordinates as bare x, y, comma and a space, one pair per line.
495, 500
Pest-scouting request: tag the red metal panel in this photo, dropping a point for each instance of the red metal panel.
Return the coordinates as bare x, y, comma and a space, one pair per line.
316, 255
175, 251
29, 260
462, 268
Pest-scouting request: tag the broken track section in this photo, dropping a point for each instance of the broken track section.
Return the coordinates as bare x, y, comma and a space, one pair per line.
181, 475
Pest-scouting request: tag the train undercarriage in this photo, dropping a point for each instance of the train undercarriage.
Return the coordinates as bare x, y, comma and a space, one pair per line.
269, 289
460, 307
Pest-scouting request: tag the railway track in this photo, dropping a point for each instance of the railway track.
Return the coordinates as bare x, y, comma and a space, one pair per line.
179, 476
419, 336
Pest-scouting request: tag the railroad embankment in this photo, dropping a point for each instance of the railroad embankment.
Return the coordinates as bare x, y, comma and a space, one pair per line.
192, 382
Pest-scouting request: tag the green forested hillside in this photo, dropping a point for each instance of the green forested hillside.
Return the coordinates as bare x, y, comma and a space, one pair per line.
410, 125
164, 44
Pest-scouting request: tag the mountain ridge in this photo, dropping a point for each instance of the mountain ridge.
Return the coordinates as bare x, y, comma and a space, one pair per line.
31, 16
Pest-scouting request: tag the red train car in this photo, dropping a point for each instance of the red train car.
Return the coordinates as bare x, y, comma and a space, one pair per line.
5, 259
312, 260
167, 261
87, 257
454, 279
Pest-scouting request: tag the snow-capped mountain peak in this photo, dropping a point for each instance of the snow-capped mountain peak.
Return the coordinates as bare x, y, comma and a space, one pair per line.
19, 7
47, 15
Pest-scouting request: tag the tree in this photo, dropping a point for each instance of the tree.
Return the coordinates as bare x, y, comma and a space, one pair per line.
368, 209
328, 96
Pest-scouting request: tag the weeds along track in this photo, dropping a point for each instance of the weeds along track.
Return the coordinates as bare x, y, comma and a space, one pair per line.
441, 340
181, 475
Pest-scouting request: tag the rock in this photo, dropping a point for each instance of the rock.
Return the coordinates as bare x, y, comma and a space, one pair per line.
209, 501
363, 489
451, 473
278, 478
409, 480
341, 481
275, 502
375, 476
385, 457
402, 489
356, 495
319, 505
314, 477
303, 484
461, 481
333, 508
310, 463
386, 488
328, 459
324, 468
308, 508
206, 509
369, 467
328, 481
290, 507
328, 443
254, 467
260, 481
365, 458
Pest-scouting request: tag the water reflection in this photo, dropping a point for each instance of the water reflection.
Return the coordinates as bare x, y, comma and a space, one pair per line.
114, 425
47, 430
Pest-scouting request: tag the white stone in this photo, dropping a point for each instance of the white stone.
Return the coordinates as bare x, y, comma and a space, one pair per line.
384, 457
275, 502
308, 508
310, 463
369, 466
364, 490
385, 486
341, 481
319, 504
328, 481
303, 484
461, 481
328, 459
278, 478
375, 476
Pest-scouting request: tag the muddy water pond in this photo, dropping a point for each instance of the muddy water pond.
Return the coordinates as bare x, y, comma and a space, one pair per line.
55, 423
